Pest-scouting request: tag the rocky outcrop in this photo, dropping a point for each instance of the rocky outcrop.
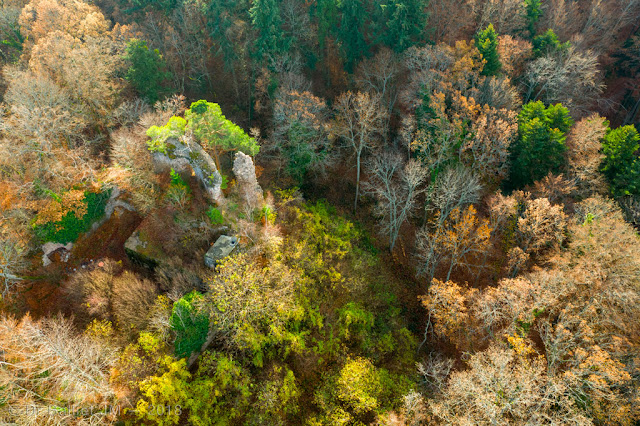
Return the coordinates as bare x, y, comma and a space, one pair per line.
184, 153
55, 252
223, 246
248, 187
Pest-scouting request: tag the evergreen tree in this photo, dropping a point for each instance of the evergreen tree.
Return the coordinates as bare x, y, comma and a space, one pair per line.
147, 70
541, 144
351, 33
547, 43
487, 44
621, 164
213, 130
404, 23
533, 11
265, 18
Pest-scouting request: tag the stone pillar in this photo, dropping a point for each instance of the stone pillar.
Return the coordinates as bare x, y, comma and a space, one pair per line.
248, 187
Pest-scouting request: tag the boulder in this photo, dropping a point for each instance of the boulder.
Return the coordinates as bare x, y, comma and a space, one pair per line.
223, 246
248, 187
142, 249
56, 252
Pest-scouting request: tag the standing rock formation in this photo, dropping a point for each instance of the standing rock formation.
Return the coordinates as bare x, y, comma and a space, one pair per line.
248, 186
186, 152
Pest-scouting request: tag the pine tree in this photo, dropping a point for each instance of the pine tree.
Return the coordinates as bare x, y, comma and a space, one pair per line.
487, 44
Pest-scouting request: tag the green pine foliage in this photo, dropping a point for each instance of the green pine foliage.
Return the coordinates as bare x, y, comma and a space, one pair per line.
548, 43
621, 164
540, 147
213, 130
351, 32
215, 216
487, 43
147, 70
404, 23
533, 13
265, 18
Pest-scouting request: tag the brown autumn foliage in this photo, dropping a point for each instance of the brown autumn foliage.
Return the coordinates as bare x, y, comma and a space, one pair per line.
582, 308
47, 362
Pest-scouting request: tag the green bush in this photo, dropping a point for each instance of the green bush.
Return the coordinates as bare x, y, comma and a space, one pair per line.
69, 228
190, 325
215, 216
159, 134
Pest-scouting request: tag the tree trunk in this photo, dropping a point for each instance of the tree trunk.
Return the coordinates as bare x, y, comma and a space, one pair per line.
355, 204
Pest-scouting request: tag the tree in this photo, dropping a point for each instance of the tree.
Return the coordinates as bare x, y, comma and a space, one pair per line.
190, 325
404, 21
359, 120
146, 70
503, 385
447, 305
453, 189
541, 144
567, 76
541, 226
534, 11
507, 16
47, 366
514, 55
301, 133
10, 34
487, 43
584, 156
86, 70
492, 135
379, 75
351, 31
265, 18
12, 261
214, 131
462, 240
78, 19
395, 188
621, 164
40, 111
548, 43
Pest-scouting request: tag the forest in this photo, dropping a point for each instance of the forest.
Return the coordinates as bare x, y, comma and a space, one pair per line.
319, 212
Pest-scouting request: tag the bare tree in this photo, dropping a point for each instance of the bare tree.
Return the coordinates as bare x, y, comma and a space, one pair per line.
507, 16
570, 77
360, 120
584, 156
40, 111
453, 189
378, 75
45, 364
396, 187
11, 261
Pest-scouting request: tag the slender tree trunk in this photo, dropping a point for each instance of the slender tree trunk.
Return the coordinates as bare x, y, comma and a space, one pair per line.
355, 204
450, 270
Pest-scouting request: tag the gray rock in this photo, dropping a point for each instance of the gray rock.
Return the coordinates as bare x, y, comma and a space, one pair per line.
221, 249
184, 153
49, 248
248, 187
